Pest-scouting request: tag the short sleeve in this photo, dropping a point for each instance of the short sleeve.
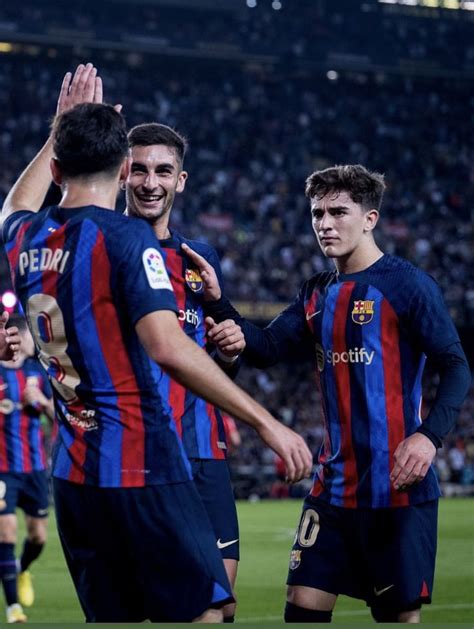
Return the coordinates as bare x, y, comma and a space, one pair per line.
13, 223
144, 283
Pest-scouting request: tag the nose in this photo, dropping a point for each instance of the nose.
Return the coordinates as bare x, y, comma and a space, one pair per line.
325, 222
151, 181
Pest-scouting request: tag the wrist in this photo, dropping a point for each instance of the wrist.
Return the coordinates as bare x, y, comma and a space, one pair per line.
228, 360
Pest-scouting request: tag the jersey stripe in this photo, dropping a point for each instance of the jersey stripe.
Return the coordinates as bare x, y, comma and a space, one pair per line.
118, 364
375, 395
3, 437
393, 390
24, 425
343, 388
176, 392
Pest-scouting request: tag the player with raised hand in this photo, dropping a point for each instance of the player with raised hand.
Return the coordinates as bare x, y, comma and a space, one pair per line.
101, 307
369, 524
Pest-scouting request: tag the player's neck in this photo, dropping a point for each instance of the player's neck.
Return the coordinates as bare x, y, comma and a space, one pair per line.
94, 193
161, 230
359, 259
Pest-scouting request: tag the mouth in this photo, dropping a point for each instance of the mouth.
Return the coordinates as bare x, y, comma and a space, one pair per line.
327, 240
150, 199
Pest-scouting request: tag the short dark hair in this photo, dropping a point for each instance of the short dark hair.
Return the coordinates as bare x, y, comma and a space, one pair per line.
89, 139
362, 185
151, 133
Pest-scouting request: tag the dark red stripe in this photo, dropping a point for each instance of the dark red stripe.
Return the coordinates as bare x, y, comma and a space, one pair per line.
14, 252
177, 393
310, 309
119, 367
343, 388
393, 391
217, 452
24, 424
50, 278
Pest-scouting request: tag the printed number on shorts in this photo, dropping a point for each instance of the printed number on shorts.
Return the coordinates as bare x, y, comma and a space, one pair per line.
47, 324
308, 529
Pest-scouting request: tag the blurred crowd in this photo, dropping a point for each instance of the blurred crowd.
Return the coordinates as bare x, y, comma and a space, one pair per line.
257, 130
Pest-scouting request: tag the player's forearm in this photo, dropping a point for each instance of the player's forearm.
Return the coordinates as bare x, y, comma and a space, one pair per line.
455, 380
189, 365
30, 189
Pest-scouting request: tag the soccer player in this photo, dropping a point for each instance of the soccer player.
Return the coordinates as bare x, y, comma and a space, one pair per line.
156, 175
25, 394
100, 305
368, 527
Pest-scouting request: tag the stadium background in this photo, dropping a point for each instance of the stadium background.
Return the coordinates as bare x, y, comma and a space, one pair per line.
266, 92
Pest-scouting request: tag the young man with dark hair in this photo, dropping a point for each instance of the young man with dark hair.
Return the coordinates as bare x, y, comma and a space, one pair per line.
101, 308
156, 175
369, 524
25, 395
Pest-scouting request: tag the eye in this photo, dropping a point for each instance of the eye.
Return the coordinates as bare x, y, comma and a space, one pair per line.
317, 214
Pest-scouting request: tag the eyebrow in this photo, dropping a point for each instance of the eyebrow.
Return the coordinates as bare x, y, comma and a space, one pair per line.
330, 209
161, 165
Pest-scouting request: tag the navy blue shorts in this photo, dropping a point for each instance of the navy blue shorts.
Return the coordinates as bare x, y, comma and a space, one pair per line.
27, 491
384, 556
140, 553
212, 480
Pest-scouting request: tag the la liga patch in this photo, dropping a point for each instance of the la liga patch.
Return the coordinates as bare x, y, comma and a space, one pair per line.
155, 269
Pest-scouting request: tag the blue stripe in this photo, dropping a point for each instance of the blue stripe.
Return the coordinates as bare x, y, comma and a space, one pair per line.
35, 443
376, 407
417, 392
328, 381
202, 420
110, 430
14, 443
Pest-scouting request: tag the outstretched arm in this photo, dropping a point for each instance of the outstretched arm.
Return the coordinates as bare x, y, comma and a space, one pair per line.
188, 364
30, 189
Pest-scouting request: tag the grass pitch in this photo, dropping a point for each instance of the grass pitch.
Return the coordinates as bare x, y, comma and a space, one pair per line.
267, 531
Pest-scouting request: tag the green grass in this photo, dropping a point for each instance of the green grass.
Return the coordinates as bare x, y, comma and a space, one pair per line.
267, 530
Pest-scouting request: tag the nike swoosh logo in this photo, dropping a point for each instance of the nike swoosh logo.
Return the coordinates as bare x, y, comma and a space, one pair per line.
379, 592
3, 387
221, 545
310, 316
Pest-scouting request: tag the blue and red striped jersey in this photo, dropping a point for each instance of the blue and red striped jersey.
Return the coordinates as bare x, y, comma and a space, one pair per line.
371, 332
198, 423
21, 435
84, 277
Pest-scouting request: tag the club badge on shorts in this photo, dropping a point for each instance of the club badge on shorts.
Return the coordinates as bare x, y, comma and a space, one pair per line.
295, 559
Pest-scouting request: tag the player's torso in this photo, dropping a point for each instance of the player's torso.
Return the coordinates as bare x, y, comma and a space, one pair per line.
114, 428
370, 370
21, 439
198, 423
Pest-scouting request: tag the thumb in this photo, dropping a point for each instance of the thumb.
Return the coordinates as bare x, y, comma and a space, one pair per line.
4, 319
118, 108
210, 322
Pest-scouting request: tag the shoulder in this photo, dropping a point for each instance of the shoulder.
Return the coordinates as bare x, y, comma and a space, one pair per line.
320, 281
407, 276
15, 221
203, 248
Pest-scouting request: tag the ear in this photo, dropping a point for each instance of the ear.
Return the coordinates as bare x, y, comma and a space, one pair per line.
125, 171
183, 175
370, 220
56, 171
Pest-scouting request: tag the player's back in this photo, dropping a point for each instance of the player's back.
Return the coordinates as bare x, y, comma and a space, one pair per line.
85, 276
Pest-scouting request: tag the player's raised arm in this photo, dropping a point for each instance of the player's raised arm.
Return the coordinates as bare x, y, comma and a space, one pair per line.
189, 365
30, 189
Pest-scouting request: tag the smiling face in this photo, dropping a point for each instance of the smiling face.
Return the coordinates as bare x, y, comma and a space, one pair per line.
343, 228
155, 177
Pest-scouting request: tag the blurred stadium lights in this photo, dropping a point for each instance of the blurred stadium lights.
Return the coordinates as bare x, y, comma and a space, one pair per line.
9, 300
467, 5
251, 4
332, 75
277, 5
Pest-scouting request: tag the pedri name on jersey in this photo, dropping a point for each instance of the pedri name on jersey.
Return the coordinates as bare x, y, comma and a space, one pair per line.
42, 260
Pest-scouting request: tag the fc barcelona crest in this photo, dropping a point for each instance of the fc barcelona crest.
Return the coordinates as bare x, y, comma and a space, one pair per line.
363, 311
193, 280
